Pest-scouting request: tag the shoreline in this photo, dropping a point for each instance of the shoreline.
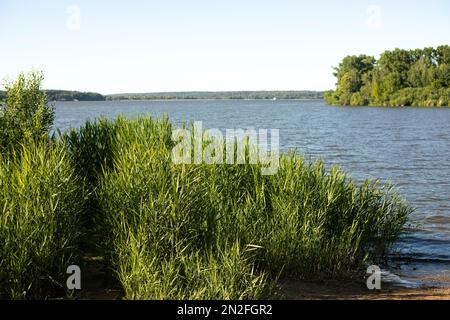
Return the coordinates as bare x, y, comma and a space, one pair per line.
307, 290
304, 290
255, 99
206, 99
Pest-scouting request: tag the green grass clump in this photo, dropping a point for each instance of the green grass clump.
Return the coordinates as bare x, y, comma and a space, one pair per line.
227, 231
40, 202
90, 148
321, 225
157, 218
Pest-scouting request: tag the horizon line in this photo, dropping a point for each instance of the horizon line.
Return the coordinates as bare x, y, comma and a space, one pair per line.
188, 91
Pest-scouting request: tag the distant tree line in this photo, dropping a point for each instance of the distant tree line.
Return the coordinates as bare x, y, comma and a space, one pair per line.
219, 95
419, 77
65, 95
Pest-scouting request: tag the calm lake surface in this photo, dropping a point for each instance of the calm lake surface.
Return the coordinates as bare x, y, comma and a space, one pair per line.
409, 147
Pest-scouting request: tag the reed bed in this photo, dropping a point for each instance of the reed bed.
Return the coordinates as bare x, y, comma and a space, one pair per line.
40, 204
181, 231
226, 231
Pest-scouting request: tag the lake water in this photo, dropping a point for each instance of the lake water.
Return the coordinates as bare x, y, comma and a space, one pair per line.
409, 147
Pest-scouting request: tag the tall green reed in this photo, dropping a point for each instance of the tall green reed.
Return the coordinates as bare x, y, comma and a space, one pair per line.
40, 204
302, 222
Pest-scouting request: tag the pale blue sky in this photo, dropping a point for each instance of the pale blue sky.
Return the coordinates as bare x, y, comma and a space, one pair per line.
144, 46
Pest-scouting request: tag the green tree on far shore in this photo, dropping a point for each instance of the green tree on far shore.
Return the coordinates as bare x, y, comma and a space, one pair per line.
419, 77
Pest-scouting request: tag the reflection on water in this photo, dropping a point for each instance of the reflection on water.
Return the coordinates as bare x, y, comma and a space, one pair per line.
409, 147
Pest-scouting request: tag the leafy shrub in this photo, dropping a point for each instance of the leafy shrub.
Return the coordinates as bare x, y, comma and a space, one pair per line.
25, 114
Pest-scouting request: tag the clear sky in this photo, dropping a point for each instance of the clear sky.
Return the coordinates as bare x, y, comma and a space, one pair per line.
174, 45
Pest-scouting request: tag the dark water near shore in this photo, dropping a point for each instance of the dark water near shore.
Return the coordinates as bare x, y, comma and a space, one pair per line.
409, 147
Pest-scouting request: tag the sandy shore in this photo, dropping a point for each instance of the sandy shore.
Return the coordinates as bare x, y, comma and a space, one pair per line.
432, 288
301, 290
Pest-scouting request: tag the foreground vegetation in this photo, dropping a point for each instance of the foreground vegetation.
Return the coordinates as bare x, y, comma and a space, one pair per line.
41, 198
40, 205
418, 77
178, 231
